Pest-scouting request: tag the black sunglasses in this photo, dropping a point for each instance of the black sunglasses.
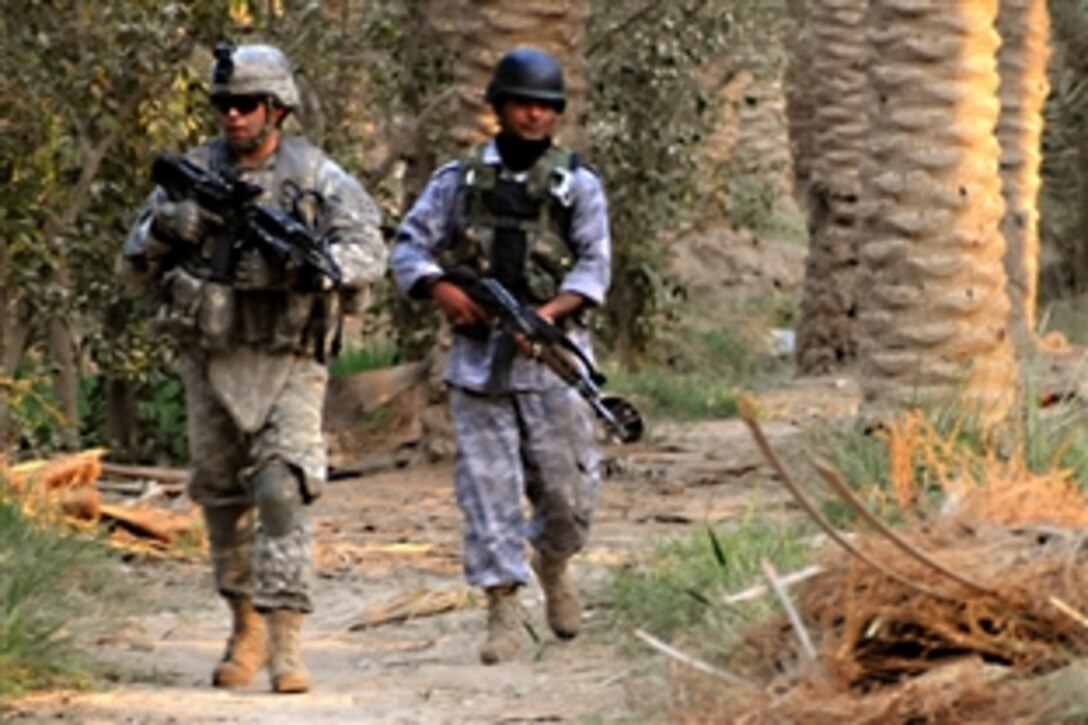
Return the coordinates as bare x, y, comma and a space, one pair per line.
243, 104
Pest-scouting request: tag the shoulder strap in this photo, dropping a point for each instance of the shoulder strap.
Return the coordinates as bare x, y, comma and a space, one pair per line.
297, 162
475, 174
557, 162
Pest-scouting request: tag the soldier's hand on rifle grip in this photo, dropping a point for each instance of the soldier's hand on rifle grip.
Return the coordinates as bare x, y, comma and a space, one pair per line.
527, 347
256, 272
460, 309
182, 221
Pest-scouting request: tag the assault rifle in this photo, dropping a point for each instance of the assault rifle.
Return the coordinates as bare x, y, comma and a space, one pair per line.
553, 348
275, 233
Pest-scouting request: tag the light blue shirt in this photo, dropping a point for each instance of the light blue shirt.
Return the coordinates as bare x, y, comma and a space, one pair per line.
432, 225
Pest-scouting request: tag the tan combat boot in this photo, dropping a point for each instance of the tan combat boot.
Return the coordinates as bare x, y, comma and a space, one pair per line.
247, 648
285, 663
561, 601
503, 635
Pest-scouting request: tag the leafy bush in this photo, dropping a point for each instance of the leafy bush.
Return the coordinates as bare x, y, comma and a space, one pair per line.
161, 419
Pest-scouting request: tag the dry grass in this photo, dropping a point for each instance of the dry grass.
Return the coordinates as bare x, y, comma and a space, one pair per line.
890, 652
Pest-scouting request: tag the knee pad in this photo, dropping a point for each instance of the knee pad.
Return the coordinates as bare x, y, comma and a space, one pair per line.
277, 492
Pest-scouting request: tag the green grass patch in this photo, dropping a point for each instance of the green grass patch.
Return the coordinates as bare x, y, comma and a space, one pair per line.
360, 359
50, 580
680, 592
698, 373
946, 443
678, 396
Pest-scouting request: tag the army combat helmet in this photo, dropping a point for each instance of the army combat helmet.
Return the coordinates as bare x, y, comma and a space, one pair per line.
528, 73
254, 70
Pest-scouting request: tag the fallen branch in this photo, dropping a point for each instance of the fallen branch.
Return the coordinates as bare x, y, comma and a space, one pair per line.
401, 141
834, 480
791, 612
1069, 611
697, 664
151, 473
413, 605
69, 471
747, 409
162, 526
789, 580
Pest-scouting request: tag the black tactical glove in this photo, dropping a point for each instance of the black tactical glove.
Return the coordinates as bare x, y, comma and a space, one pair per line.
182, 221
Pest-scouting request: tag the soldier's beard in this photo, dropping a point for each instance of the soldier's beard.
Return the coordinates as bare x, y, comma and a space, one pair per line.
247, 146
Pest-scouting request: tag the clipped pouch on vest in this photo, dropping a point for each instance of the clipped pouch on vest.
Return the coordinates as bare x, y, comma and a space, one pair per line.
291, 322
216, 316
177, 316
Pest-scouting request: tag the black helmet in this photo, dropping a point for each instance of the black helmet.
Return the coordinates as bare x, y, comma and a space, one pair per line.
527, 73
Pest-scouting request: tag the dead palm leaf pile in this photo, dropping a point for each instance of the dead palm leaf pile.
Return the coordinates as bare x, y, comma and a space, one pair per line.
957, 614
65, 491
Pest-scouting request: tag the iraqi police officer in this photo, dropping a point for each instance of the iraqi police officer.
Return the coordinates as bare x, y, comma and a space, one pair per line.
526, 211
251, 353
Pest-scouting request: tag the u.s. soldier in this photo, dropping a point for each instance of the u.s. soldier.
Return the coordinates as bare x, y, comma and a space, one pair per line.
251, 354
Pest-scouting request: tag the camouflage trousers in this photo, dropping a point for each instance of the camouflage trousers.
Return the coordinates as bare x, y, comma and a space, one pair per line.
534, 445
274, 571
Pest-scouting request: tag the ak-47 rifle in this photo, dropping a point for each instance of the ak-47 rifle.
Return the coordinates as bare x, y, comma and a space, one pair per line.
553, 348
245, 224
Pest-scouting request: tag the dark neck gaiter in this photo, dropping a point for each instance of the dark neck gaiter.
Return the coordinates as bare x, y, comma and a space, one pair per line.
517, 153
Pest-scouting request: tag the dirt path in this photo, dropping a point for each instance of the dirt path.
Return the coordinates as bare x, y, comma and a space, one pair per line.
397, 533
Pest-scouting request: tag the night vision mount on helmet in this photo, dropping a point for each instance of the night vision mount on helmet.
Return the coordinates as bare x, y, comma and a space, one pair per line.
253, 70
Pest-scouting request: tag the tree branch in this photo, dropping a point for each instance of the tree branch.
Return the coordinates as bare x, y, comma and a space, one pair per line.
403, 138
623, 25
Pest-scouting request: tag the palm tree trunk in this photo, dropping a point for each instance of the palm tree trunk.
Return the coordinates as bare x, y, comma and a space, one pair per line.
825, 336
1022, 61
62, 353
492, 28
800, 100
934, 319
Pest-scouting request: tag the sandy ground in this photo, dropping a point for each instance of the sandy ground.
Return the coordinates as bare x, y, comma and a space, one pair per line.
396, 534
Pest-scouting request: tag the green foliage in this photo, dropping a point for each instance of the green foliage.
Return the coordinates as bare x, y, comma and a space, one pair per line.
1061, 199
756, 205
368, 357
32, 408
46, 577
698, 370
665, 394
951, 443
160, 424
648, 115
654, 73
681, 590
92, 90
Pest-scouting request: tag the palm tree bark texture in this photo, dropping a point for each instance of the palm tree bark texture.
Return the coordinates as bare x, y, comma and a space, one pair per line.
1024, 26
826, 335
494, 27
934, 315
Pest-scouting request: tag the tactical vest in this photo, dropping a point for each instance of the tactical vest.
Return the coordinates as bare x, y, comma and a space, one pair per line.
276, 320
517, 231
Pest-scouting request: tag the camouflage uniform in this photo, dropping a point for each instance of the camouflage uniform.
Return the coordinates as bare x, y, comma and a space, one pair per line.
254, 390
523, 432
